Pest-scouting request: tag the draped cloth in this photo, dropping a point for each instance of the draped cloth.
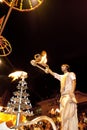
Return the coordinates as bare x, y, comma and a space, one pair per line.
68, 111
68, 104
63, 82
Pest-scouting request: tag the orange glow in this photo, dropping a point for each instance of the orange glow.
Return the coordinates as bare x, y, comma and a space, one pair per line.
1, 0
43, 57
10, 119
18, 74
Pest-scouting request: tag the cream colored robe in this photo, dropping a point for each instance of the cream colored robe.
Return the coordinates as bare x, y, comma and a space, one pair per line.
68, 104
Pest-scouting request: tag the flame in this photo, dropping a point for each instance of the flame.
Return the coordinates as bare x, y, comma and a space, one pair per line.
40, 61
43, 57
18, 74
1, 0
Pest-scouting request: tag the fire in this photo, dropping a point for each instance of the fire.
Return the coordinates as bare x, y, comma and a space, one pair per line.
18, 74
40, 61
1, 0
43, 57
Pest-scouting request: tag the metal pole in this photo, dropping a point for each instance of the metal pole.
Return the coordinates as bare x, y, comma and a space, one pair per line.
19, 106
8, 14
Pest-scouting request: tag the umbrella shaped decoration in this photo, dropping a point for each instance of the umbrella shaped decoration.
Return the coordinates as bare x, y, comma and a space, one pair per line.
24, 5
5, 47
19, 5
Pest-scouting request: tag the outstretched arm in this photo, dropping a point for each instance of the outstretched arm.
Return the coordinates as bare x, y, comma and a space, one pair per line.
49, 71
55, 75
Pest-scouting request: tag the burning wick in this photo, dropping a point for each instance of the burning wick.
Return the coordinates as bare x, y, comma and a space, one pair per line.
40, 60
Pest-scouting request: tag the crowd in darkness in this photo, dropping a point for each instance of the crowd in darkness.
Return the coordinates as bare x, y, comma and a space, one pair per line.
45, 125
82, 121
42, 125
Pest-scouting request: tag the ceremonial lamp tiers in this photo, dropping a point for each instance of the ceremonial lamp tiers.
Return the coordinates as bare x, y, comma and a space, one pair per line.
19, 103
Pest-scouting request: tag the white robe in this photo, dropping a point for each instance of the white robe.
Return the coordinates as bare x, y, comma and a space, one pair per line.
68, 105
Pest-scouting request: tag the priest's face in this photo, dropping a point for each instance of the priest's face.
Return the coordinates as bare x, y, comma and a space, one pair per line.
64, 68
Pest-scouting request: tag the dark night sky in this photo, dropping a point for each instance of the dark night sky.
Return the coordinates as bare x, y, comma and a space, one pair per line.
57, 26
